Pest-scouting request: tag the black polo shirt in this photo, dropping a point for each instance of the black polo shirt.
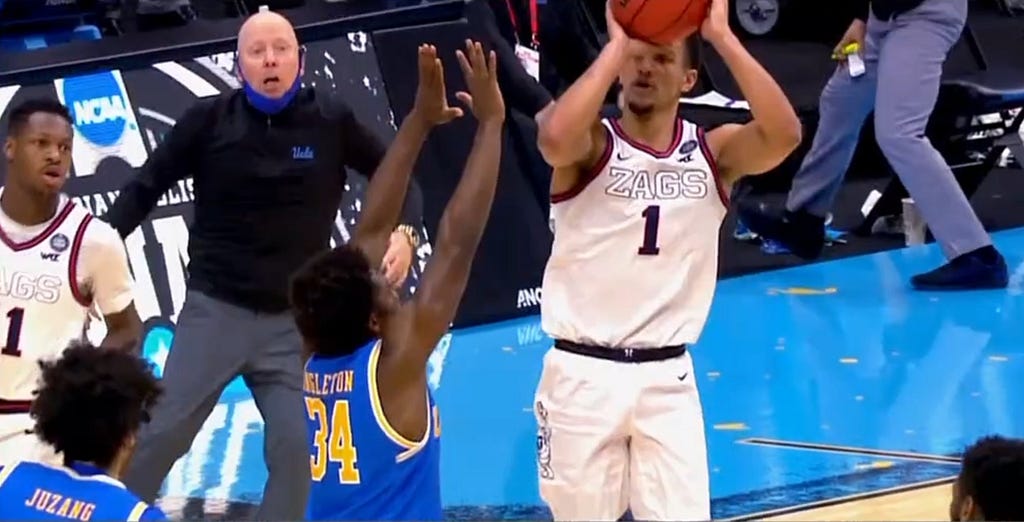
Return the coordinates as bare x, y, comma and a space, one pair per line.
267, 189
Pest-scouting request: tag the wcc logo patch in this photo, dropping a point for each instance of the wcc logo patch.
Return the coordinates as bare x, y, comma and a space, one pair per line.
58, 243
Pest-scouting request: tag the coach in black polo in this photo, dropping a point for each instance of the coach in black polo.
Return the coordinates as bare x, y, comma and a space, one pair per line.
268, 165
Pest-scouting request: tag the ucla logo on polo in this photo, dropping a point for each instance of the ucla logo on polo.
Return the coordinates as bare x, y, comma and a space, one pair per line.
98, 107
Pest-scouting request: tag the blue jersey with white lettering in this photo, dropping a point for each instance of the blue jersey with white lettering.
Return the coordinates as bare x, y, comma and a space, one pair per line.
35, 491
362, 468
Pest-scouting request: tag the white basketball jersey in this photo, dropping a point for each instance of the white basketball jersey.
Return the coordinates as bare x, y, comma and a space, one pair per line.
634, 262
41, 307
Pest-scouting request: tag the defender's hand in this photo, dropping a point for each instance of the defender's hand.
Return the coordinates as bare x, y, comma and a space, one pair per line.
431, 98
484, 96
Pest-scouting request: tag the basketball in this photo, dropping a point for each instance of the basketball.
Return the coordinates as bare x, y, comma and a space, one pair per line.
660, 21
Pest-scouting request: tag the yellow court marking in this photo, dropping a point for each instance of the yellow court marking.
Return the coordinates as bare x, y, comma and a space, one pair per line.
878, 464
732, 426
800, 290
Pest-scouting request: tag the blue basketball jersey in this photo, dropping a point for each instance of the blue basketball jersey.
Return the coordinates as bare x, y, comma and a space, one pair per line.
362, 468
34, 491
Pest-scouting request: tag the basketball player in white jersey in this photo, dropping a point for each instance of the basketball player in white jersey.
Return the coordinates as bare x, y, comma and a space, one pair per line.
637, 204
56, 264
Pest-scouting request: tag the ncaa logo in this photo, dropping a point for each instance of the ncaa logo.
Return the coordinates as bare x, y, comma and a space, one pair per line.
59, 242
98, 107
688, 147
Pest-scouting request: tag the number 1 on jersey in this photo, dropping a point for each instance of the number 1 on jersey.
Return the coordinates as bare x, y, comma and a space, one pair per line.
15, 316
651, 216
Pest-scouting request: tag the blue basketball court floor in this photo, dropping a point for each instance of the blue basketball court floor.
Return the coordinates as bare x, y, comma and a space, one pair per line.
818, 382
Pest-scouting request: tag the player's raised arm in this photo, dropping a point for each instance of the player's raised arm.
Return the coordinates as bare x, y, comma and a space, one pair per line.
428, 316
390, 182
569, 130
774, 131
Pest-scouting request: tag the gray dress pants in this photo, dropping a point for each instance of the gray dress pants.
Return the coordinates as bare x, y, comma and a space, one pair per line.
903, 58
215, 341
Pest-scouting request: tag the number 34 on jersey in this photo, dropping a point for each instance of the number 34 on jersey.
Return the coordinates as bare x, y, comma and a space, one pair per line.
334, 441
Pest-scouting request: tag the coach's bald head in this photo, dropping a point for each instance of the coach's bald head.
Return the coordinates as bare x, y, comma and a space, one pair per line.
269, 60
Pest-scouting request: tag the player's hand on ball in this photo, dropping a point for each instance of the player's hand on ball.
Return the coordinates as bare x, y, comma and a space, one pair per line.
481, 72
431, 98
615, 31
716, 25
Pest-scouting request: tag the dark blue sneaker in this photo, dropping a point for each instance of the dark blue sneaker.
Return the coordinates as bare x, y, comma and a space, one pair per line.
800, 232
984, 268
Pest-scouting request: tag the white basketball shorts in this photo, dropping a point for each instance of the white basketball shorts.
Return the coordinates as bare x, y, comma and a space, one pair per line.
615, 435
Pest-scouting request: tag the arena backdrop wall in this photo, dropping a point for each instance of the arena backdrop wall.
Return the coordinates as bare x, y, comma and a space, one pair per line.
121, 116
509, 265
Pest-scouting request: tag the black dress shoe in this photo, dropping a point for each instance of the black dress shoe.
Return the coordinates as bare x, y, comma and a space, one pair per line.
983, 268
801, 232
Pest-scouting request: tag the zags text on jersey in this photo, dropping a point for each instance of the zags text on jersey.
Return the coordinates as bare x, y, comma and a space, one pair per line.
661, 185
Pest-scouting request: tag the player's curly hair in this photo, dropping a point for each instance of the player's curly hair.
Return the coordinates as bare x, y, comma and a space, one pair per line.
19, 115
332, 298
992, 474
91, 399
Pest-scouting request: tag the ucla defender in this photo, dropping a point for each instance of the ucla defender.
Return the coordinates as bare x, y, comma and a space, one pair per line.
374, 429
637, 204
90, 406
56, 264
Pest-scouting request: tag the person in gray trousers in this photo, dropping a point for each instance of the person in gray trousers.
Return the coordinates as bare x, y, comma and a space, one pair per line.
268, 164
903, 46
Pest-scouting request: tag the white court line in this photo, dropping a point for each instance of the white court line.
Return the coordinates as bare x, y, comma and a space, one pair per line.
832, 448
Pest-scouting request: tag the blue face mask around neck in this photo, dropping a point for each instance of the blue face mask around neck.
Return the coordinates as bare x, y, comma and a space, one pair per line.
266, 104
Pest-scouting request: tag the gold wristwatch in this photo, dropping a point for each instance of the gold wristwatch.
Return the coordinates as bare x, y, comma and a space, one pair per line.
410, 233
